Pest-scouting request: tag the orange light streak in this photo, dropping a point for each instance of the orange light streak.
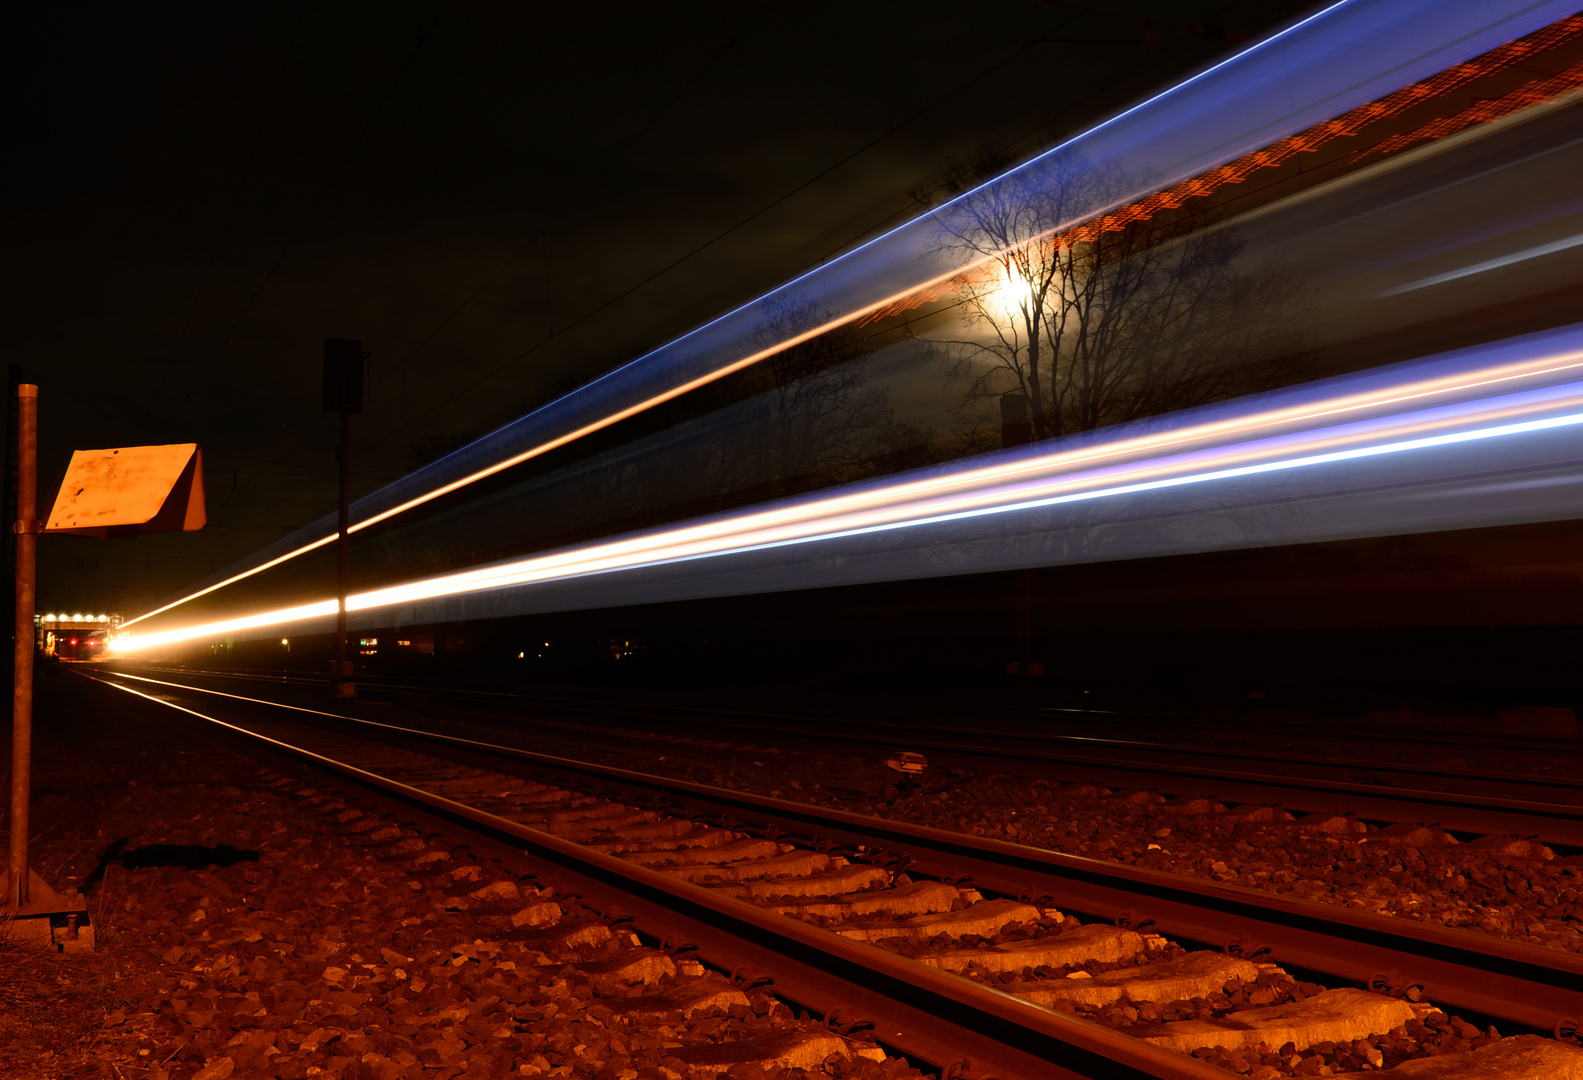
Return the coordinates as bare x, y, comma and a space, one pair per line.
233, 580
1524, 97
878, 509
1097, 468
127, 642
934, 288
1278, 153
552, 444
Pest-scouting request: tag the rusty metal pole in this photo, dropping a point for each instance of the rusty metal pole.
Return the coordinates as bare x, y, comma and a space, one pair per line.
22, 680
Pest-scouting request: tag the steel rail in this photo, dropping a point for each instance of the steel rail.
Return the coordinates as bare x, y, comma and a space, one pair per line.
741, 718
1462, 811
919, 1011
1510, 980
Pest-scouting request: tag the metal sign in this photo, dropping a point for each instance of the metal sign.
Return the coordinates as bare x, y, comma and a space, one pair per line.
129, 491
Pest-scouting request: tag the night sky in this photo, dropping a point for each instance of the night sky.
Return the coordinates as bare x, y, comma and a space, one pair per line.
500, 200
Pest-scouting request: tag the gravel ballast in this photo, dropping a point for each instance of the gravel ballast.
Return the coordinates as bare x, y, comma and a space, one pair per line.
250, 925
1507, 887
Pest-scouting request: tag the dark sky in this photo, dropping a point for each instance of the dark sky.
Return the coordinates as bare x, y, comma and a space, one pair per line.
500, 200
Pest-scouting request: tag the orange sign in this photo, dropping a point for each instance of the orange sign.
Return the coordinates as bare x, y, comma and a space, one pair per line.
129, 491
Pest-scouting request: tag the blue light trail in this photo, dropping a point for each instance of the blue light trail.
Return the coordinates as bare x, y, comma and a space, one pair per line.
1406, 430
1341, 58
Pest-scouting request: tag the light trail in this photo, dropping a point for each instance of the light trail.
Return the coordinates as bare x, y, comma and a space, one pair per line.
280, 617
1416, 416
572, 436
825, 520
1233, 114
1485, 266
1393, 396
259, 569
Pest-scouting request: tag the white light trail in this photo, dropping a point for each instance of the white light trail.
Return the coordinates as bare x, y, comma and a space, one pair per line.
1485, 266
1323, 432
127, 642
1346, 54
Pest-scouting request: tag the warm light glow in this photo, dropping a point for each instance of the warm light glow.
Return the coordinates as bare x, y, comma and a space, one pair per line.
1012, 295
217, 629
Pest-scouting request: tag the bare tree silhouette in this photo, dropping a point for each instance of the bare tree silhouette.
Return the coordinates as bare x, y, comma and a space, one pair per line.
1096, 322
825, 423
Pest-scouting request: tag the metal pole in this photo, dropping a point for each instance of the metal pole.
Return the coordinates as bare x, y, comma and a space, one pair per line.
342, 687
9, 513
22, 683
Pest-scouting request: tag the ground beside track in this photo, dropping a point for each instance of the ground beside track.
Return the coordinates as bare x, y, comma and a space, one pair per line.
246, 931
97, 780
1507, 887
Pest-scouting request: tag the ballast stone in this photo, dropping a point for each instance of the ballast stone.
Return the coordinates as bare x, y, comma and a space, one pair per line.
787, 1050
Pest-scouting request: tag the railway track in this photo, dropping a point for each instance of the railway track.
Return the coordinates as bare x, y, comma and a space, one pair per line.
959, 947
1547, 807
990, 720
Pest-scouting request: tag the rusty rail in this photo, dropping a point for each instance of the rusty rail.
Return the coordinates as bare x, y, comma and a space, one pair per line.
1475, 972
